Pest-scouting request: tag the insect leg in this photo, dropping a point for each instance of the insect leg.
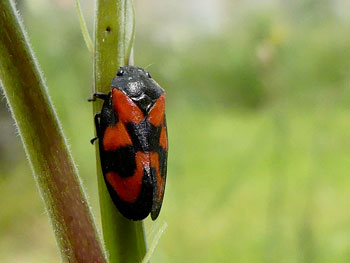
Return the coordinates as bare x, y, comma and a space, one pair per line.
97, 125
93, 140
99, 95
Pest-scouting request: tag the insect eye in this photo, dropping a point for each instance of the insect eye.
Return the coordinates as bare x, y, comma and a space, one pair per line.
120, 72
149, 75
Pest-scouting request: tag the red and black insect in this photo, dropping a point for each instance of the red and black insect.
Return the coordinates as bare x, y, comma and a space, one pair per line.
133, 143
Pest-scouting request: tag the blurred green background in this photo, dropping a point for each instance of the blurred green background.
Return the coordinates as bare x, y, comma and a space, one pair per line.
258, 96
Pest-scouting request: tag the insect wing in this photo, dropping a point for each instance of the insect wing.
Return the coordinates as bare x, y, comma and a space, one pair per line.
159, 154
125, 167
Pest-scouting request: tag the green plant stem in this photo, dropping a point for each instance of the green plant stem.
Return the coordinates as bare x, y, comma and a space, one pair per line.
44, 142
84, 28
154, 243
114, 33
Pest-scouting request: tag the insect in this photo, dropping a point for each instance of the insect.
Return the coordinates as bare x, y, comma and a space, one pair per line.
132, 133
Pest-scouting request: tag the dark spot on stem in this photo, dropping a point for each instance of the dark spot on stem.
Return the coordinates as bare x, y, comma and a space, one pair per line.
108, 29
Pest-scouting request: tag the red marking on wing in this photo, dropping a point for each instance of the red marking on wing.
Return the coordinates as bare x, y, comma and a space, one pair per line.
160, 182
115, 137
127, 110
156, 114
163, 141
128, 188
